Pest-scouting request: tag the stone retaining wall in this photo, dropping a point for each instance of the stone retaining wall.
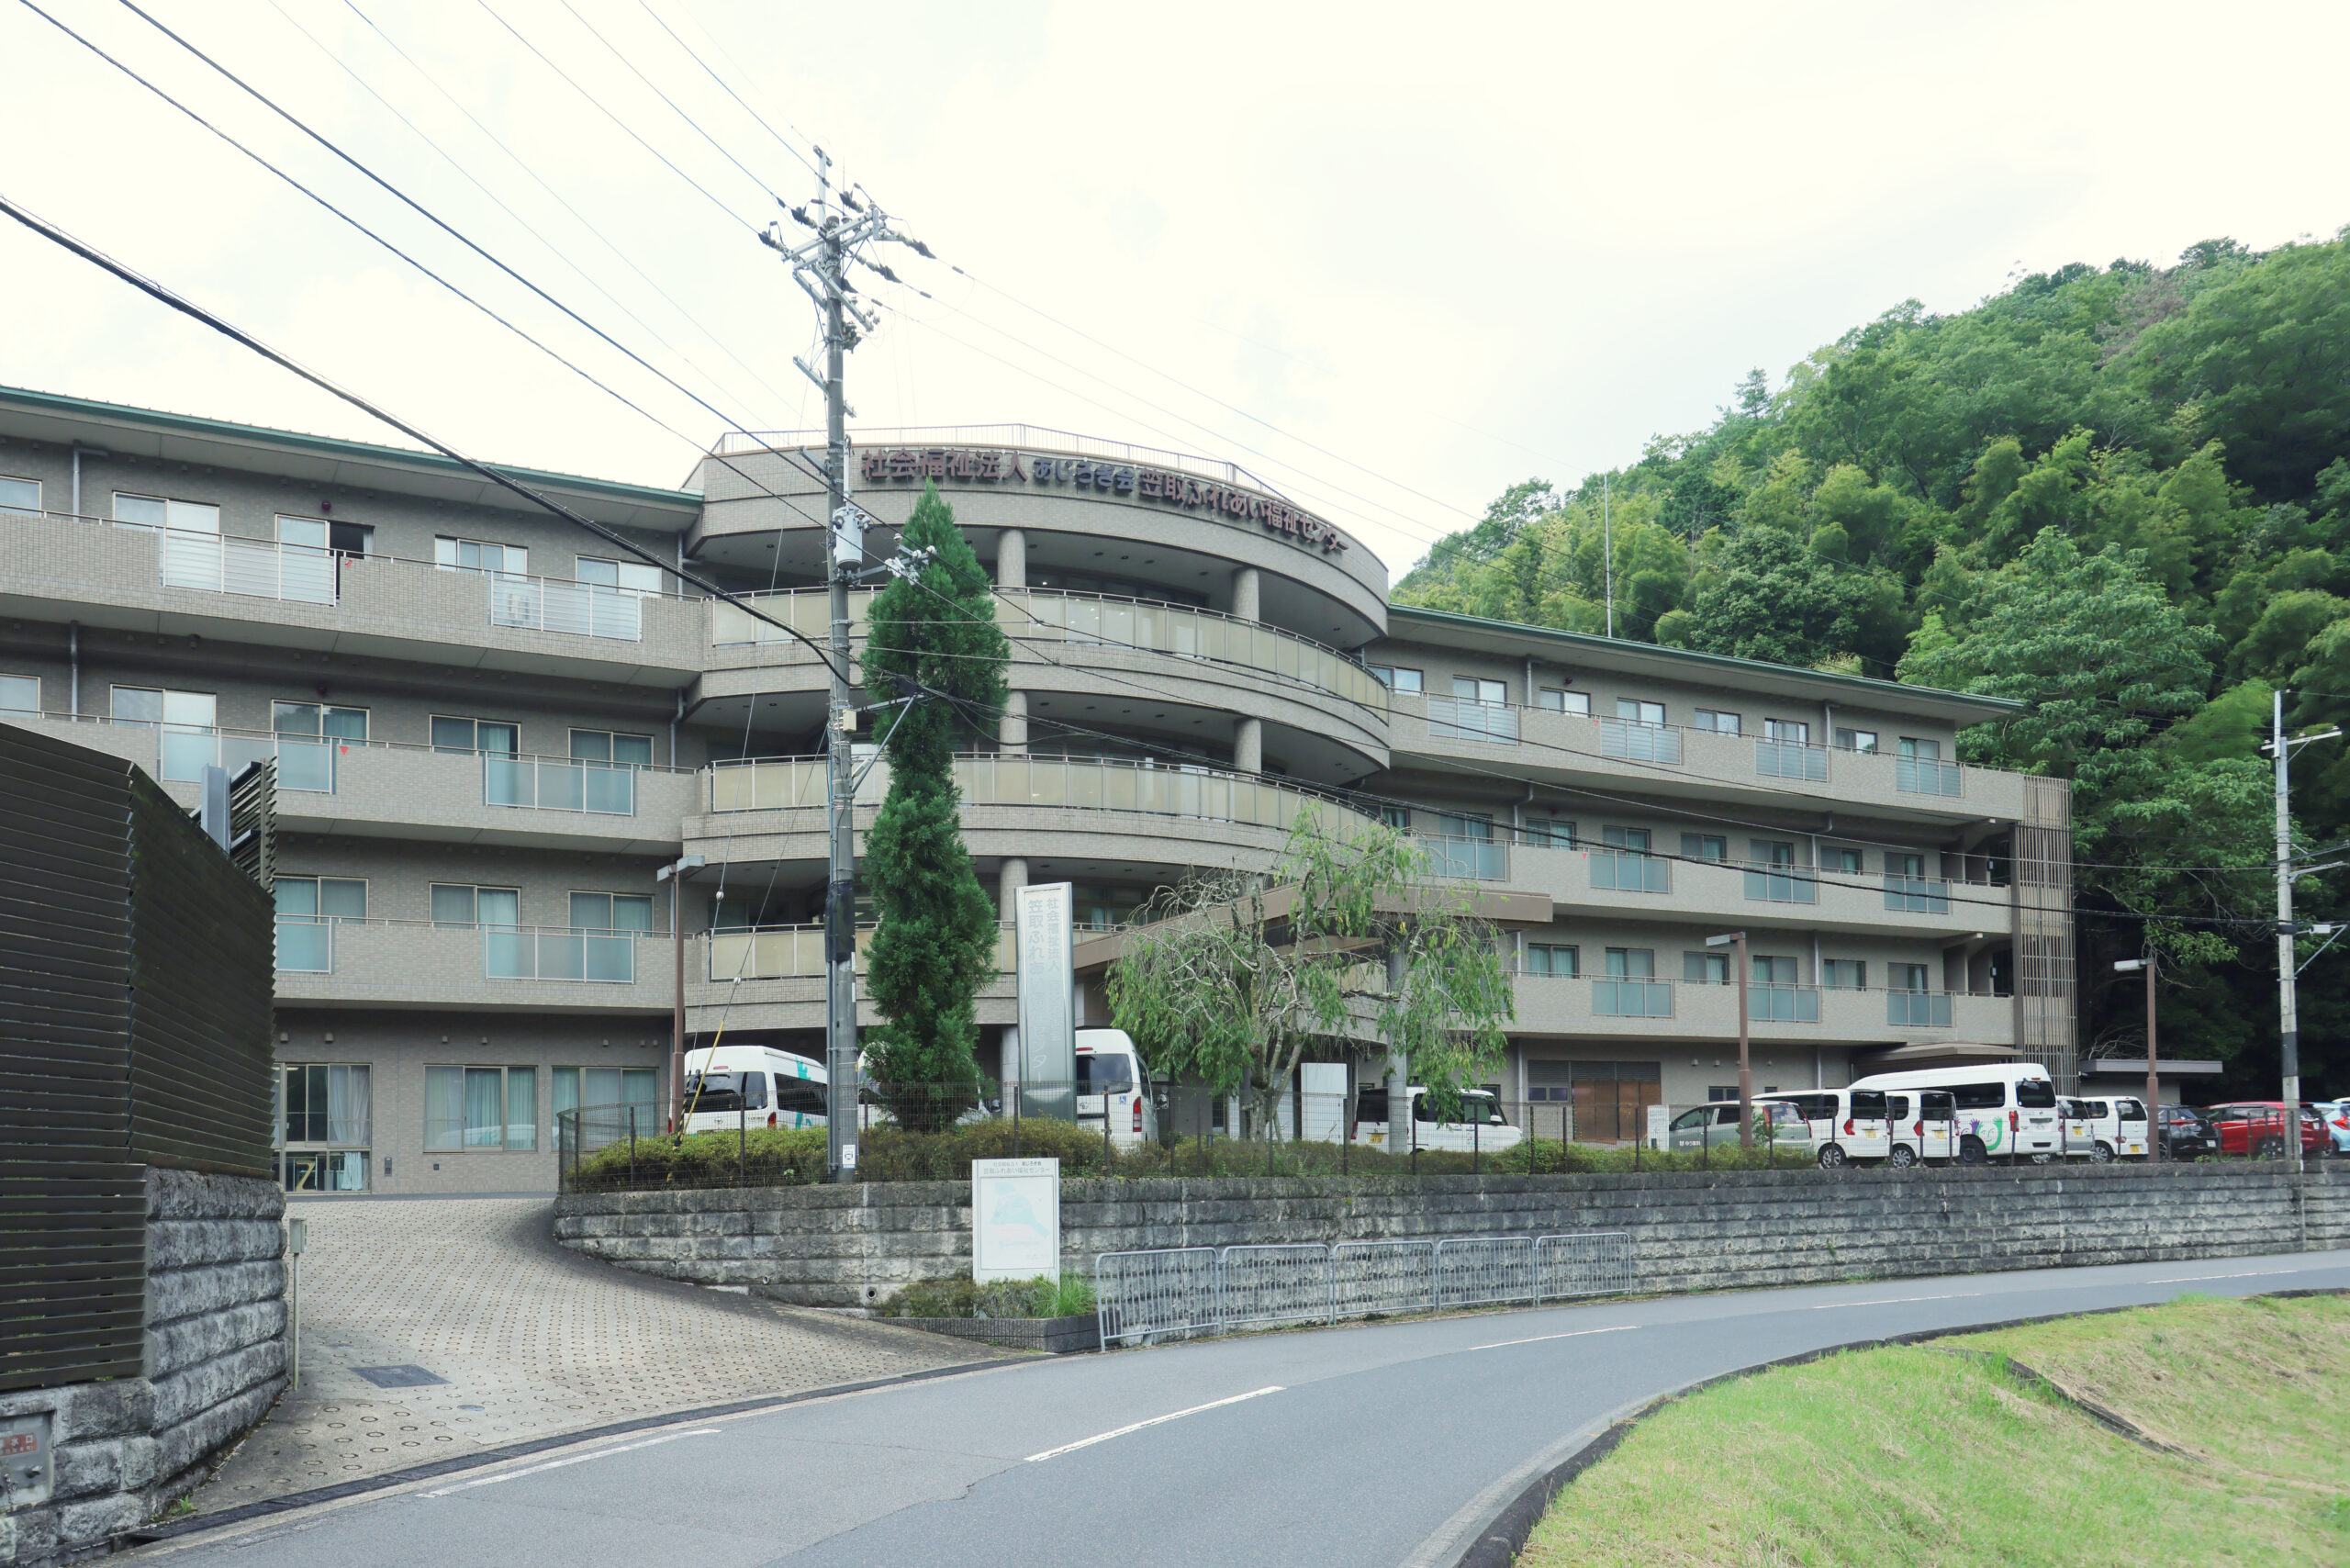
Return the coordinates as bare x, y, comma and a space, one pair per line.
214, 1361
849, 1246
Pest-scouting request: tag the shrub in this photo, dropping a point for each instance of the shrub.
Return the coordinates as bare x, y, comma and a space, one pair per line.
959, 1297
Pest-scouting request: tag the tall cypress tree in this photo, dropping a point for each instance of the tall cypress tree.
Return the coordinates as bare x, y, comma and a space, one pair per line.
935, 944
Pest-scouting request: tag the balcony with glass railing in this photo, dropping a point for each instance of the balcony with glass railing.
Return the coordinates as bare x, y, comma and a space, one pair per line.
1629, 871
1085, 783
255, 568
332, 958
1468, 718
1791, 759
556, 784
1036, 619
797, 952
1917, 1008
1777, 882
1917, 895
1468, 859
1928, 775
1551, 1002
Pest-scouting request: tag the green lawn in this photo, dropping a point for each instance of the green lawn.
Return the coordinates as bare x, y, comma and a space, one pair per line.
1916, 1455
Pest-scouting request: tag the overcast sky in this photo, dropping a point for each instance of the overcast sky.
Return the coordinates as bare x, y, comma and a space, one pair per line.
1429, 251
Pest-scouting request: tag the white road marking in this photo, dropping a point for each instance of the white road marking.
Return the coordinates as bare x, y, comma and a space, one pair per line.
574, 1459
1891, 1300
1575, 1333
2247, 1274
1155, 1420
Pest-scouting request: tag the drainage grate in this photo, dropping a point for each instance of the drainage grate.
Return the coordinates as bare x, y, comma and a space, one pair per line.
397, 1377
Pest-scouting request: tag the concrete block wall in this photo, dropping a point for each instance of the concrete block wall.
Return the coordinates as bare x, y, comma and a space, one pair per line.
215, 1362
848, 1247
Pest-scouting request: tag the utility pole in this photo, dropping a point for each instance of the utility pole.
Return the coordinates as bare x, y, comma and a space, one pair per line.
2153, 1083
842, 226
674, 874
1736, 940
2287, 1009
1607, 548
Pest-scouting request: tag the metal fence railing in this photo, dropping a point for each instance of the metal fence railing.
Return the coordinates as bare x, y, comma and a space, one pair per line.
1189, 1291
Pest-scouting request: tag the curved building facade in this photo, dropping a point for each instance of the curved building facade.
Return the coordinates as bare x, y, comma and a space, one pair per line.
489, 735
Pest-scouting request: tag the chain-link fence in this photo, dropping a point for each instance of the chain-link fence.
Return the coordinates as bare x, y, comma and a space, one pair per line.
1194, 1292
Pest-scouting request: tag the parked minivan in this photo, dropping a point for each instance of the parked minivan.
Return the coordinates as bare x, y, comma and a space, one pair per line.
1780, 1125
1112, 1082
2101, 1131
1842, 1125
2006, 1108
729, 1087
1481, 1129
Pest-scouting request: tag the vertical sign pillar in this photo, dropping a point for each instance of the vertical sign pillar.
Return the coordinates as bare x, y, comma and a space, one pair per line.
1043, 918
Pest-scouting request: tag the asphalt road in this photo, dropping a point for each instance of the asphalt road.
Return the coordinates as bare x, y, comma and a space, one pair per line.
1372, 1444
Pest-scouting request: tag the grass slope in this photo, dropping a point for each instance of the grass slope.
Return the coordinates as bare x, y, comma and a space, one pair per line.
1917, 1455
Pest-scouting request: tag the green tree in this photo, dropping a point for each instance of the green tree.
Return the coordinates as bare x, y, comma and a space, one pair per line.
933, 649
1767, 597
1232, 979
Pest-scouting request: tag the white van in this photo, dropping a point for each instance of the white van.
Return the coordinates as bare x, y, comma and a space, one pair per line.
1925, 1126
2101, 1131
752, 1086
1482, 1128
1842, 1125
2006, 1109
1112, 1082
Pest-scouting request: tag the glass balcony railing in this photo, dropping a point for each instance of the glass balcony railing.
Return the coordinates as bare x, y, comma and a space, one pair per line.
1466, 719
1478, 859
990, 778
1783, 1003
1917, 895
1629, 740
1922, 776
1628, 871
581, 609
797, 952
1791, 759
1917, 1008
551, 784
255, 568
1037, 615
1622, 998
185, 751
305, 944
558, 953
1773, 883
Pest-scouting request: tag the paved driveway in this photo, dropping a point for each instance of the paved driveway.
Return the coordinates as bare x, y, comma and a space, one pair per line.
528, 1339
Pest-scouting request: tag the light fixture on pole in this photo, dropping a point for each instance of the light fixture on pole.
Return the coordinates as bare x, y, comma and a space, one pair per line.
1737, 939
673, 873
2153, 1089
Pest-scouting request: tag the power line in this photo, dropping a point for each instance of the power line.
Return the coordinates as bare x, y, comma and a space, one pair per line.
722, 82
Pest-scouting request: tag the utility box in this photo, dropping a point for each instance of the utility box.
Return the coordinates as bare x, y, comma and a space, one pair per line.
27, 1469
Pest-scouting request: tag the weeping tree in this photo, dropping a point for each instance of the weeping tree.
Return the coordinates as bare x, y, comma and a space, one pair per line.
1351, 943
934, 651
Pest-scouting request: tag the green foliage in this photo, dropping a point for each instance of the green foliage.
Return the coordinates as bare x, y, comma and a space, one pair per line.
1765, 598
959, 1296
934, 636
1232, 981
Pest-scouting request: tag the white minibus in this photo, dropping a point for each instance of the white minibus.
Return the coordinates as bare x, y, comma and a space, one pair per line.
2004, 1109
1925, 1126
752, 1086
1112, 1082
1842, 1125
2102, 1130
1481, 1129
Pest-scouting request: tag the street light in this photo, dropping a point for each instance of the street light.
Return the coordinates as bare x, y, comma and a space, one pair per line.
2153, 1089
673, 873
1745, 1073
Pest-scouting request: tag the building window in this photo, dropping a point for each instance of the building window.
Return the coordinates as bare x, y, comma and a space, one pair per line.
1705, 846
473, 555
481, 1108
476, 734
1905, 977
1469, 688
308, 908
1844, 860
19, 694
1631, 963
633, 575
1556, 833
154, 511
612, 911
1921, 751
186, 719
604, 746
1396, 679
1553, 959
1898, 865
454, 904
1561, 701
321, 720
616, 1100
1398, 818
1844, 974
1774, 971
20, 496
1719, 722
1796, 729
323, 1127
1639, 712
1855, 739
1705, 968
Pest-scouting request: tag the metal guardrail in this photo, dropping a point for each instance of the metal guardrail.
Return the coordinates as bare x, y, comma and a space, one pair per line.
1189, 1291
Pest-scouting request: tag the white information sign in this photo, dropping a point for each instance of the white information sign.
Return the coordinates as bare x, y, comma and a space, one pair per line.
1015, 1219
1660, 1130
1043, 916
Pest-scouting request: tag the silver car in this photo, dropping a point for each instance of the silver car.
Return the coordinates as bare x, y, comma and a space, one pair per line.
1778, 1124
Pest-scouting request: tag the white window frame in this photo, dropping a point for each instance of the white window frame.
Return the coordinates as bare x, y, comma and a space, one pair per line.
611, 738
645, 899
1836, 969
1796, 731
1641, 709
474, 750
11, 508
1863, 742
9, 678
366, 719
448, 553
506, 1144
1398, 677
1721, 720
475, 889
1551, 960
179, 516
1491, 693
621, 570
1559, 699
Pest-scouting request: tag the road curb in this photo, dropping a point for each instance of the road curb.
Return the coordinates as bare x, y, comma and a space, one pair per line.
1498, 1544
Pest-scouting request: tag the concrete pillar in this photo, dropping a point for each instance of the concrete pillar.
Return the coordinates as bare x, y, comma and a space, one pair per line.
1244, 594
1009, 881
1249, 745
1012, 730
1012, 559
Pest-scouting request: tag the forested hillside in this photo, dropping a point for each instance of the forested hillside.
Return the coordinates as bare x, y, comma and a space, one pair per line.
2119, 494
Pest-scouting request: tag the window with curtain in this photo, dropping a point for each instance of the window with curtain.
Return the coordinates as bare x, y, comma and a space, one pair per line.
1555, 833
1921, 751
1856, 740
473, 555
452, 733
1844, 974
1842, 859
1720, 722
1470, 688
154, 511
1905, 977
1631, 963
1705, 968
633, 575
481, 1108
1705, 846
607, 745
1774, 970
1561, 701
1639, 712
455, 903
612, 911
318, 720
1553, 959
1796, 730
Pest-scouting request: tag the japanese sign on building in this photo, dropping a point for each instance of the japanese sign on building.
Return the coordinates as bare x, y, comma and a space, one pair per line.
1126, 480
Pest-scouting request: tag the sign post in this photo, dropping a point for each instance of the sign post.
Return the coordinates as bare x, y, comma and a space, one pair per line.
1043, 917
1015, 1219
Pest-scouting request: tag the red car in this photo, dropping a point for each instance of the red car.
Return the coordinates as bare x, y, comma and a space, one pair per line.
2258, 1127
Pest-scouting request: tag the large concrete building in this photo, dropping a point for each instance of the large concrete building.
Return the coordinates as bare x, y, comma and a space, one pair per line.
491, 730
